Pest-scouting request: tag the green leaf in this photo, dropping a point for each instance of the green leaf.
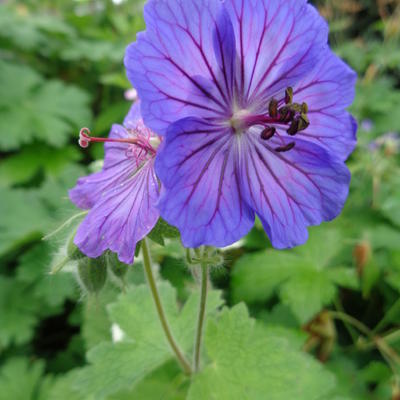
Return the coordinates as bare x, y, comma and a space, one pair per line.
307, 293
32, 108
62, 389
144, 348
370, 277
24, 165
19, 311
305, 278
384, 236
28, 223
166, 383
350, 384
94, 51
96, 326
33, 270
245, 362
27, 31
39, 210
20, 380
390, 199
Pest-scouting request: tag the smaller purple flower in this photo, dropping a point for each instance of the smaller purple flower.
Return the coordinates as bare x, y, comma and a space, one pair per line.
367, 125
390, 142
122, 196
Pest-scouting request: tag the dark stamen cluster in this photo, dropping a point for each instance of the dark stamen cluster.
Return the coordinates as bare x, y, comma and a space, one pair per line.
292, 114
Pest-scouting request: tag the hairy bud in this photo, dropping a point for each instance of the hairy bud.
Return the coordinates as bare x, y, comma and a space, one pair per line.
92, 273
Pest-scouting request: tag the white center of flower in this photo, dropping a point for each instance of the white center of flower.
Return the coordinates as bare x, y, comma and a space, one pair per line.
237, 121
155, 142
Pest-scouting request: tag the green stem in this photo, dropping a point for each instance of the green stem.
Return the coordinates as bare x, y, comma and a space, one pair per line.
389, 338
348, 326
160, 309
201, 316
352, 321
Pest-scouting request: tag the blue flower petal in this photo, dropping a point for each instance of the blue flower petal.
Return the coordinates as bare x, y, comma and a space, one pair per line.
293, 190
123, 216
202, 192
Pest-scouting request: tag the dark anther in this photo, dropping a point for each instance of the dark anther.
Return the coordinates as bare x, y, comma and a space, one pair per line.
304, 108
283, 149
294, 127
268, 132
283, 113
304, 122
273, 108
286, 114
289, 95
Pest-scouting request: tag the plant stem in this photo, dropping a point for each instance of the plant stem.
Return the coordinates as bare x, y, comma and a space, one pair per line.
352, 321
160, 309
201, 315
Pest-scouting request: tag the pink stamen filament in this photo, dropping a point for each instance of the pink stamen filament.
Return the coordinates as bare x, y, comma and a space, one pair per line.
252, 120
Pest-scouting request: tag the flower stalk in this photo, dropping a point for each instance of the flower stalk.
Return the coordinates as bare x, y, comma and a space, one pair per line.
160, 309
201, 316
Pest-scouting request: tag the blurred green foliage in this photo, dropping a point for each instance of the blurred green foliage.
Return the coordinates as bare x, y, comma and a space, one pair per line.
336, 298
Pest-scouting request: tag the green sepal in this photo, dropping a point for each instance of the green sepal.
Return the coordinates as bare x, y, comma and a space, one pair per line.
118, 268
73, 252
162, 231
137, 250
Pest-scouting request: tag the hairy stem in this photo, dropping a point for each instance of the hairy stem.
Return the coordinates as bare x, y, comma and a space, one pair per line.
201, 316
160, 309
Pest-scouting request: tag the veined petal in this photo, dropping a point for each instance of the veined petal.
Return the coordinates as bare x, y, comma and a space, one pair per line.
225, 51
133, 116
173, 64
201, 190
122, 217
117, 162
291, 191
278, 42
328, 90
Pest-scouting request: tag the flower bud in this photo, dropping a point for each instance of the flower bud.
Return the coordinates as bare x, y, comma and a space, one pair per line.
362, 254
92, 273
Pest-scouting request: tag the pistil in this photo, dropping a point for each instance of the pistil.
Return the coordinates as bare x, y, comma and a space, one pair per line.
85, 139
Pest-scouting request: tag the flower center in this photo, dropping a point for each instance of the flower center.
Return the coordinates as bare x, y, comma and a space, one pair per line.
283, 114
238, 121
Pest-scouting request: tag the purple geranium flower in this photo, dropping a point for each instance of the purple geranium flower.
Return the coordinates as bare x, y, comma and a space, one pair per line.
253, 106
121, 197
